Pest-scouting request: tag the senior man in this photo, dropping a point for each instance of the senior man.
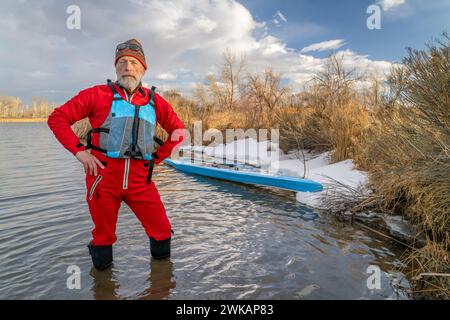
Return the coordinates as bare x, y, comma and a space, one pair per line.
123, 116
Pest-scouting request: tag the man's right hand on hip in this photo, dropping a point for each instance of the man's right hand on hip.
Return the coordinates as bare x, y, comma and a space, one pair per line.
89, 162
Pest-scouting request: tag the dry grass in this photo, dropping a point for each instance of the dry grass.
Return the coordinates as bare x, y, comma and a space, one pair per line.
337, 129
23, 119
429, 269
407, 149
225, 120
291, 122
407, 153
81, 128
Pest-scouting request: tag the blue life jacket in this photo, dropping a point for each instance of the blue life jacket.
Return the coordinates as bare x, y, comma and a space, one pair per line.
128, 131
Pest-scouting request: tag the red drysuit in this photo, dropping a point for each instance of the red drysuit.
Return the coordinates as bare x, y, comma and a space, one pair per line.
122, 179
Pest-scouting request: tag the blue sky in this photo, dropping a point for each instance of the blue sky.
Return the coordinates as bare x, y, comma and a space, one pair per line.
409, 24
184, 40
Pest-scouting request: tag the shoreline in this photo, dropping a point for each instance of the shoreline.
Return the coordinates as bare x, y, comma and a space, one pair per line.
3, 120
317, 167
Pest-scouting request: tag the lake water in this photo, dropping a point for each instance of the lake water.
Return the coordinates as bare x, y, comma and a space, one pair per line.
231, 241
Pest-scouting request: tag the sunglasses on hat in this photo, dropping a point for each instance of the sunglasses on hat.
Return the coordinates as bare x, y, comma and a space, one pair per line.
130, 46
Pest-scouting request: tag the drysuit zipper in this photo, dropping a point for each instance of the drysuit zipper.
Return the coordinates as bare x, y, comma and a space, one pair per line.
127, 160
126, 172
94, 186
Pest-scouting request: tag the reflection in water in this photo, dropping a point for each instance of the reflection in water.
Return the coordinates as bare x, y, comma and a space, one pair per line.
105, 286
231, 241
160, 282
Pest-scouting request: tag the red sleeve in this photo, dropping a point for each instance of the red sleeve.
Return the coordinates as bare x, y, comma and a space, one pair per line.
170, 122
66, 115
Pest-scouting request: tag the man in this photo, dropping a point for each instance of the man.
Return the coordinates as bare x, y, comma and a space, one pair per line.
123, 116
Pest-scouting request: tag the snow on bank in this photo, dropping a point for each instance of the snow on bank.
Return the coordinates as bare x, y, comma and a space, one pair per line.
342, 172
272, 160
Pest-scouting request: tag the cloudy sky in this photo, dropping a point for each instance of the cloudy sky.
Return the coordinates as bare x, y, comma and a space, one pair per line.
184, 40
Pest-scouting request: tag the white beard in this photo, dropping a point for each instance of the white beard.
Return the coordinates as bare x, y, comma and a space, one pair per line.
129, 83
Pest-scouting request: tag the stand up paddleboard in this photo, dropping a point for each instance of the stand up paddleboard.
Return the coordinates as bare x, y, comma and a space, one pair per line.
281, 182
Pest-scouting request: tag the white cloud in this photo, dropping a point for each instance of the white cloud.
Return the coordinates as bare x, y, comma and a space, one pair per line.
390, 4
183, 41
38, 75
270, 45
324, 45
206, 24
166, 76
277, 17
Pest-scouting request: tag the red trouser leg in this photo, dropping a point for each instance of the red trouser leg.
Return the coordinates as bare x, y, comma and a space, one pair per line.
104, 203
145, 201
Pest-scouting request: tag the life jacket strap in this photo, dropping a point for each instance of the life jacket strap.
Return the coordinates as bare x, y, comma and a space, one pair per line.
150, 170
117, 96
152, 94
100, 129
89, 144
133, 154
158, 140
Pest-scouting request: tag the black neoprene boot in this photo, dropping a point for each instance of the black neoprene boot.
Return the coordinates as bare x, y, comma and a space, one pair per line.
160, 249
102, 256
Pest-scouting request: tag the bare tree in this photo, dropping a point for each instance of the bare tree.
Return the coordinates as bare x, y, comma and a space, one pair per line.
266, 90
225, 90
335, 82
231, 74
40, 107
217, 93
10, 107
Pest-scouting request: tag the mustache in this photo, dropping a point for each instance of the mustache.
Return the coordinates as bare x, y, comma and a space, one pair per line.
128, 75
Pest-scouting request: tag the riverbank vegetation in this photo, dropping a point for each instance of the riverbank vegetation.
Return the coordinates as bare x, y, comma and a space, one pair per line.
397, 130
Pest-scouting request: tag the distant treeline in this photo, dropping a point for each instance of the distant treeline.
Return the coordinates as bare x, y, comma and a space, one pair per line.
12, 107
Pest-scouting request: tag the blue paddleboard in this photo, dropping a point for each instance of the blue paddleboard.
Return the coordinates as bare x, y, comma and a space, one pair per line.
281, 182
